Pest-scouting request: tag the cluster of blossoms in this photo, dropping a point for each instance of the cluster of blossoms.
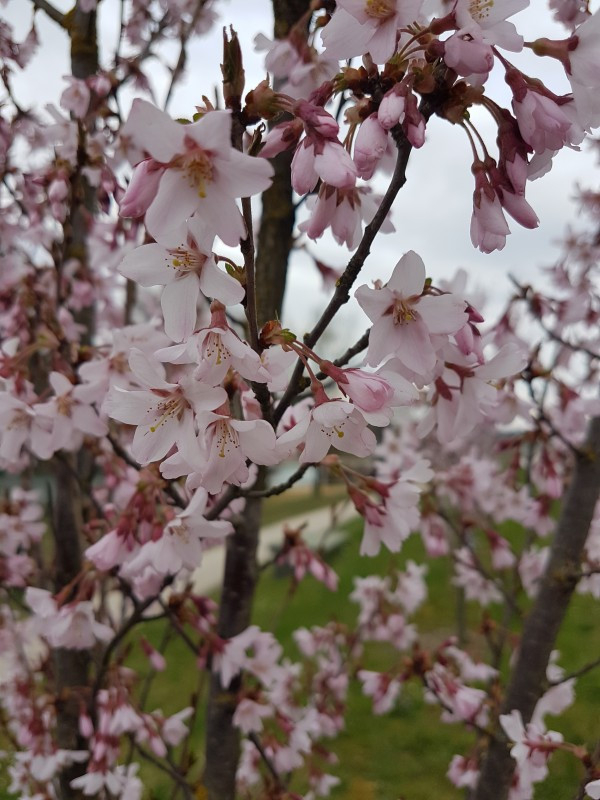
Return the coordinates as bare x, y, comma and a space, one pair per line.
158, 435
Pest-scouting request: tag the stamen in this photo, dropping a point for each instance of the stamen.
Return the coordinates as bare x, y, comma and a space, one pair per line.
480, 9
380, 9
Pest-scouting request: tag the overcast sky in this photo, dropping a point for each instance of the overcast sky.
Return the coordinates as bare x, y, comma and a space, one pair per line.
431, 214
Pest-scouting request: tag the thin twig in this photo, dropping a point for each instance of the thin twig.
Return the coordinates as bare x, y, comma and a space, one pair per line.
53, 13
181, 59
281, 487
281, 784
577, 673
346, 280
173, 772
169, 488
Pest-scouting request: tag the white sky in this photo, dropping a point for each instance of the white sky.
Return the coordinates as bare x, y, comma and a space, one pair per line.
432, 213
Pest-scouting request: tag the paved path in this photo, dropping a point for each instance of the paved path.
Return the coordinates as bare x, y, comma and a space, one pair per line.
207, 578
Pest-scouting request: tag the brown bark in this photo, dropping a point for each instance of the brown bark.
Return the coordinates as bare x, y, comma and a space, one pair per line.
543, 623
239, 582
278, 213
72, 666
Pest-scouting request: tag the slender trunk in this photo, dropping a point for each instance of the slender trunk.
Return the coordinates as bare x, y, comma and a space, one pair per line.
543, 623
72, 666
239, 582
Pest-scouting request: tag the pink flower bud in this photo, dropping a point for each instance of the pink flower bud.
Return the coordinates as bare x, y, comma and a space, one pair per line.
142, 189
468, 57
369, 146
391, 110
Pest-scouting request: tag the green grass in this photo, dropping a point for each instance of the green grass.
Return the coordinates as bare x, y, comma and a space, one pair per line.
404, 754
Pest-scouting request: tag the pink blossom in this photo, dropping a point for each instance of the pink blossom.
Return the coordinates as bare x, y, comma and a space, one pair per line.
76, 97
182, 262
215, 350
334, 423
248, 716
404, 319
344, 211
470, 57
163, 412
142, 188
70, 413
370, 146
203, 172
361, 26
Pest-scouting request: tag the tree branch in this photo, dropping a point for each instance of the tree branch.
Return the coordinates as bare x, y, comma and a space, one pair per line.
53, 13
543, 623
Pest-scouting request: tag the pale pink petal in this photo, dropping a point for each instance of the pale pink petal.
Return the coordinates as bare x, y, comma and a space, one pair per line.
154, 131
148, 265
216, 283
416, 351
148, 372
175, 200
212, 132
258, 441
408, 277
132, 408
244, 176
179, 305
374, 302
442, 314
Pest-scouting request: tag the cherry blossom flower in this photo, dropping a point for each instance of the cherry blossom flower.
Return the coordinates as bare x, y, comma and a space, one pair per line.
249, 715
72, 626
163, 412
343, 211
361, 26
334, 423
181, 542
223, 449
70, 413
404, 319
76, 97
203, 172
215, 349
182, 262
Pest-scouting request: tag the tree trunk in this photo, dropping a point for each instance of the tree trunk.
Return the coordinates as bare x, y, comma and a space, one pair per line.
239, 582
543, 623
72, 666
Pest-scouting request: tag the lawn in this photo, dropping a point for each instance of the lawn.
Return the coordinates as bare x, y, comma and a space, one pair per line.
403, 755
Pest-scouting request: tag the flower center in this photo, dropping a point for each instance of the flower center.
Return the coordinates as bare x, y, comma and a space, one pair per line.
63, 405
185, 261
215, 350
480, 9
198, 170
170, 408
226, 438
380, 9
403, 313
